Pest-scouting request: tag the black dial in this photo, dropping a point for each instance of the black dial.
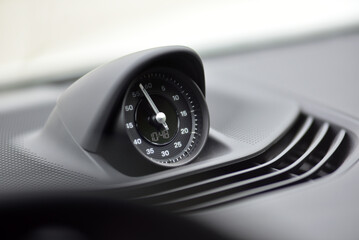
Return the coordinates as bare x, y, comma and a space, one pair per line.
166, 117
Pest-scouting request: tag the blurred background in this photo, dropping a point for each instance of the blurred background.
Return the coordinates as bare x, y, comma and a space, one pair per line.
50, 40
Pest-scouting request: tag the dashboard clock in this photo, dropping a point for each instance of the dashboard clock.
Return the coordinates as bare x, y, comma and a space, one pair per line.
166, 117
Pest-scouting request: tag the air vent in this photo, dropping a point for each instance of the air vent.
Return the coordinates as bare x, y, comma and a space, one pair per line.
311, 149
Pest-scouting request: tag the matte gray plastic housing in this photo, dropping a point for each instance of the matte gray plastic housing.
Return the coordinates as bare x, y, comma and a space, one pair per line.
81, 132
85, 107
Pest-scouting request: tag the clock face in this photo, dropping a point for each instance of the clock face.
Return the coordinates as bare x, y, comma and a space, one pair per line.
166, 117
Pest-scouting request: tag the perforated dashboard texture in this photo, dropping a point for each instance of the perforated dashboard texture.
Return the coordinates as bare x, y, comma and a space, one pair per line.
21, 169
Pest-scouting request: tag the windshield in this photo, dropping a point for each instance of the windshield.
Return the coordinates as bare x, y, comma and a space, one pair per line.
51, 40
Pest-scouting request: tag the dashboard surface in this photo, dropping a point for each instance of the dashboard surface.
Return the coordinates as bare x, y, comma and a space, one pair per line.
318, 75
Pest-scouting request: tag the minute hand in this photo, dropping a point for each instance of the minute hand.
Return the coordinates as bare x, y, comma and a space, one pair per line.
160, 116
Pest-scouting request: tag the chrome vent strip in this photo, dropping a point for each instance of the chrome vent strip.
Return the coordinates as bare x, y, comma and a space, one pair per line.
311, 149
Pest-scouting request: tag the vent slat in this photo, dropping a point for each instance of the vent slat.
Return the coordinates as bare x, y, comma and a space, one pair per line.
298, 137
253, 182
332, 149
311, 149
